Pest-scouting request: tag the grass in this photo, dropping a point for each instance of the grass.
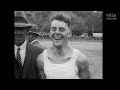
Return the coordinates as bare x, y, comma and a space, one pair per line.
93, 51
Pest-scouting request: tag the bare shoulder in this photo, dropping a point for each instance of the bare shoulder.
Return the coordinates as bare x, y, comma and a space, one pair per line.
82, 60
40, 65
81, 57
40, 60
83, 66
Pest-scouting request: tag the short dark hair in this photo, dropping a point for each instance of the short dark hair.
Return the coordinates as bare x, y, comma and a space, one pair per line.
62, 17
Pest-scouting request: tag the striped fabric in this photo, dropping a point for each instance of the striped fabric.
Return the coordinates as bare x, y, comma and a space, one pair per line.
19, 60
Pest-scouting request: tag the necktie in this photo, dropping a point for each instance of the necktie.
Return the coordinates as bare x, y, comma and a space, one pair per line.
19, 61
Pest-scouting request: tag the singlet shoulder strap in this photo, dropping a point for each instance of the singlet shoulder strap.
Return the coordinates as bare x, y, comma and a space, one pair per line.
75, 52
78, 53
45, 55
74, 56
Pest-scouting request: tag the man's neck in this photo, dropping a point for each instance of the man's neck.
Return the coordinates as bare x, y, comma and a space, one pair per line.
60, 50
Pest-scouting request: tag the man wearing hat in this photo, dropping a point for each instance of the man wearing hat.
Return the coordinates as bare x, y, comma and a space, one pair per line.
33, 37
25, 53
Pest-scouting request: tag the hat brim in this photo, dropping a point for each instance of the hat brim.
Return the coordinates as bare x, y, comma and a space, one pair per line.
22, 25
34, 32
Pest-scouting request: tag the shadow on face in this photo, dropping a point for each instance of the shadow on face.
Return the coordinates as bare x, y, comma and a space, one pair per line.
31, 37
19, 36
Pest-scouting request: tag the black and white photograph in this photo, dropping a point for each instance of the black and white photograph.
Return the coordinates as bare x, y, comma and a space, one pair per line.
58, 44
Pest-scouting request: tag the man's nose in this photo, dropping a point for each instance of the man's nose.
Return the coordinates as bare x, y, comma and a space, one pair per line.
57, 31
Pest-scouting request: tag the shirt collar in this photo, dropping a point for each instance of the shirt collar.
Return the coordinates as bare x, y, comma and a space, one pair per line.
34, 41
22, 46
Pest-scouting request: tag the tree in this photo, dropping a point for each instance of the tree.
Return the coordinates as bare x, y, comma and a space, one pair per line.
94, 22
81, 21
42, 17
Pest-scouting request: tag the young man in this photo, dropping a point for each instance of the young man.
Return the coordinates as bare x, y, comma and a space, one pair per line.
62, 61
33, 37
25, 53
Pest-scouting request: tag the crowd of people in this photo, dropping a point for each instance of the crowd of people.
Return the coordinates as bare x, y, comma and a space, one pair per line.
34, 61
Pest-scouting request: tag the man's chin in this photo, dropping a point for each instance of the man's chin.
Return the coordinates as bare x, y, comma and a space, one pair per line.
18, 42
57, 44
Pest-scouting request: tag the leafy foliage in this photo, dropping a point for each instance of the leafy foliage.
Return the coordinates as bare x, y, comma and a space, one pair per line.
81, 21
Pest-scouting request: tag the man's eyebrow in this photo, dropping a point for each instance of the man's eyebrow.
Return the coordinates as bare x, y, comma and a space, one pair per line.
61, 28
53, 27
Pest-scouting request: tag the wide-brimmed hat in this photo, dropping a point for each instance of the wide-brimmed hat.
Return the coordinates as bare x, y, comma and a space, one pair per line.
20, 19
34, 29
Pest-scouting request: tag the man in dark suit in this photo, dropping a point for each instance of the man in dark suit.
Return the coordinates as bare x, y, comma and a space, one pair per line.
25, 53
33, 37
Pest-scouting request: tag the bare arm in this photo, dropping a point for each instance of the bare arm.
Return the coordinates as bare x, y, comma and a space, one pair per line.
40, 65
83, 67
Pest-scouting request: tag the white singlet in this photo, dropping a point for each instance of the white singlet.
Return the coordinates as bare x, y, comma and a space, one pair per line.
67, 70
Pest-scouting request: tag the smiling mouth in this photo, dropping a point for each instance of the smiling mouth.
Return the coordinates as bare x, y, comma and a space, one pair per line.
57, 38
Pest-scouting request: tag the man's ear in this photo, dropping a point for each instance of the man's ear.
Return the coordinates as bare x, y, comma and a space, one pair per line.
69, 34
50, 35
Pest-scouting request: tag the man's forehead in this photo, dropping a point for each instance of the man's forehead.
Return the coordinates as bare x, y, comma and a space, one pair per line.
58, 23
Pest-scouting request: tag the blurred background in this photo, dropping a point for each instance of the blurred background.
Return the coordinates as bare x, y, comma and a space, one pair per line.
86, 24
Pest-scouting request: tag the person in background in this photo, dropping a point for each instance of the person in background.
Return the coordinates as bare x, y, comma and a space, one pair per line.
62, 61
33, 37
25, 53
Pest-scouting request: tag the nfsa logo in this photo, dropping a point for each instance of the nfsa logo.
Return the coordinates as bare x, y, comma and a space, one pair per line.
111, 16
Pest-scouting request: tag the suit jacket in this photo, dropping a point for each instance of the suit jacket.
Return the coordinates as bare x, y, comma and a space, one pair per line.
29, 68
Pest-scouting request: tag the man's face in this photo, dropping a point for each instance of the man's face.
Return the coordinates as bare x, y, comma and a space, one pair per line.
59, 32
31, 37
19, 36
